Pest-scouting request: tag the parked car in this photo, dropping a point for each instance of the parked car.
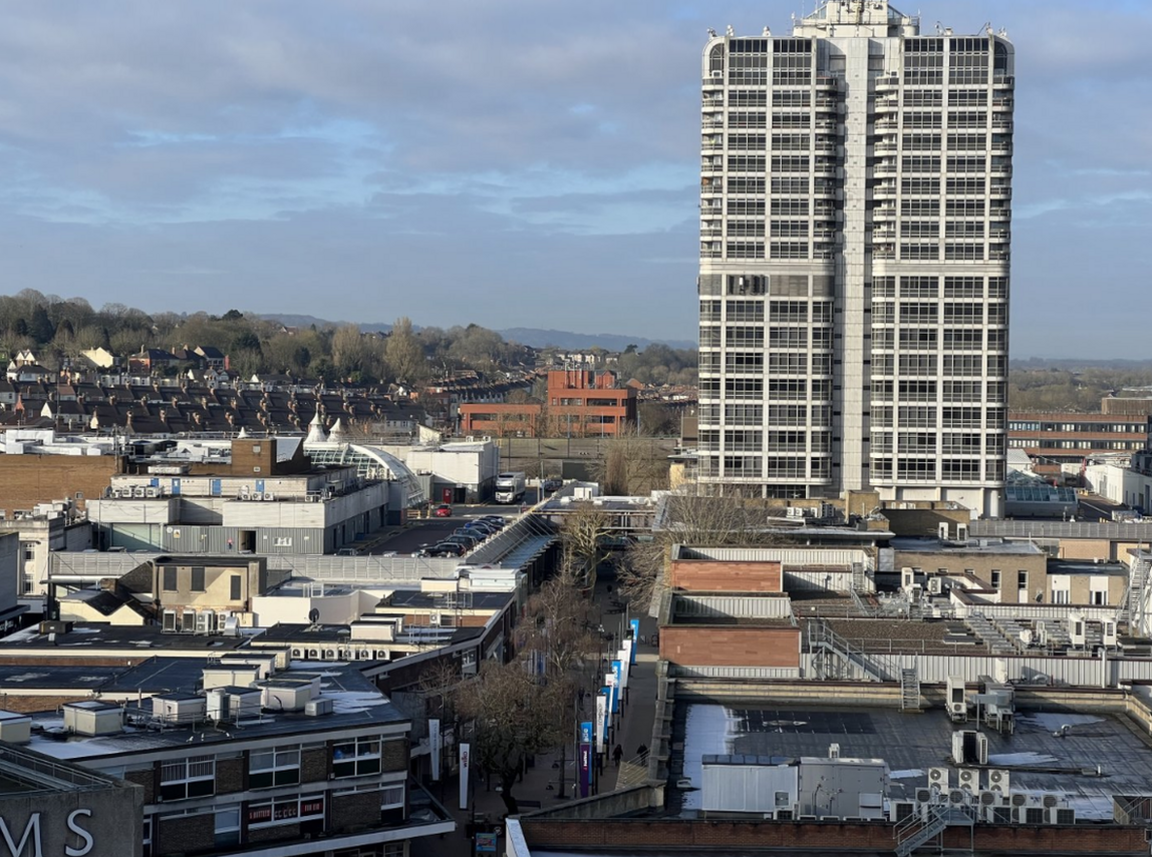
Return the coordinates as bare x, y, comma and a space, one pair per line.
348, 552
463, 535
444, 510
551, 485
485, 527
495, 520
447, 548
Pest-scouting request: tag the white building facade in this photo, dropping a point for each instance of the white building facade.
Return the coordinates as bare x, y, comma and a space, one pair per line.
854, 255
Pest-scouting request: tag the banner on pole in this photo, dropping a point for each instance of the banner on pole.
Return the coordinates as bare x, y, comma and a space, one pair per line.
465, 765
635, 623
585, 767
602, 718
434, 741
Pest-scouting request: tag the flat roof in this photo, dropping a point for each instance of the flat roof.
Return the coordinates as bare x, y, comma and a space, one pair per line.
356, 702
1037, 760
98, 635
1071, 566
973, 545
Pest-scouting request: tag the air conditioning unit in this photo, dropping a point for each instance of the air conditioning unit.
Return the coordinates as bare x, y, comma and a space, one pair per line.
785, 814
151, 492
256, 495
1062, 815
1108, 632
900, 810
989, 798
998, 814
935, 585
957, 710
268, 495
1032, 815
999, 781
924, 795
1050, 801
938, 777
1019, 800
114, 493
957, 797
969, 779
138, 491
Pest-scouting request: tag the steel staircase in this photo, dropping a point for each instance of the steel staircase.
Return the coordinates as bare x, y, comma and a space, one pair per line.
919, 829
909, 690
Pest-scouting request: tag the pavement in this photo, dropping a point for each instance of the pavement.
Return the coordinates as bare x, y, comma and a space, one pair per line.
541, 782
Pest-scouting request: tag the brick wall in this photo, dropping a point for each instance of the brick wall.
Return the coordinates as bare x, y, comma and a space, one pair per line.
231, 775
705, 575
186, 834
32, 479
145, 778
394, 755
275, 833
701, 836
355, 809
314, 765
731, 646
10, 701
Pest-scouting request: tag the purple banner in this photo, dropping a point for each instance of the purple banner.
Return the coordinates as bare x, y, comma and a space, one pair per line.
585, 768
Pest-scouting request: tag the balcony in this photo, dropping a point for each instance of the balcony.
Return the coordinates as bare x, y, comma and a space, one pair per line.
882, 125
887, 84
1003, 82
713, 123
711, 232
884, 190
999, 124
887, 105
884, 168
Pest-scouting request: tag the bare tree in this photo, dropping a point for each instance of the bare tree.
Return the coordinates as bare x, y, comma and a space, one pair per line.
690, 518
631, 464
559, 624
583, 535
515, 714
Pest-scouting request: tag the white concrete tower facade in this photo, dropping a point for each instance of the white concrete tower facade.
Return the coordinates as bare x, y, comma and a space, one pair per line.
855, 209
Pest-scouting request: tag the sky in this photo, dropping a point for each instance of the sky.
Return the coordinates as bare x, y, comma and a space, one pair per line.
527, 163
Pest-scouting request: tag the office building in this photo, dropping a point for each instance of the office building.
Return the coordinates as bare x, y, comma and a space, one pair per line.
854, 256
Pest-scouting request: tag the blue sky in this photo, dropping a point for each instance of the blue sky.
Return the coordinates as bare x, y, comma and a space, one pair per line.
508, 162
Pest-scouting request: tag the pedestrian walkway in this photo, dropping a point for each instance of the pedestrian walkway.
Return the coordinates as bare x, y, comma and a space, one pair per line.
541, 783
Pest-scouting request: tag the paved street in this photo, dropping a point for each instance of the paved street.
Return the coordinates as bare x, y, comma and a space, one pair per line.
541, 782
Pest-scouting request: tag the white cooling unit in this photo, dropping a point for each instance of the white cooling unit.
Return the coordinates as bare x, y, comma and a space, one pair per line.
1000, 781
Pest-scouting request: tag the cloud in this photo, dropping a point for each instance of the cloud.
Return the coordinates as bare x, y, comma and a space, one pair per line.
508, 162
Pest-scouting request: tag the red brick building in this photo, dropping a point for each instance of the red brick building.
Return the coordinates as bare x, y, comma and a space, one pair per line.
580, 403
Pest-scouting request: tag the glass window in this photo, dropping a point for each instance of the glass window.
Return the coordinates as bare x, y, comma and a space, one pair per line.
276, 766
356, 758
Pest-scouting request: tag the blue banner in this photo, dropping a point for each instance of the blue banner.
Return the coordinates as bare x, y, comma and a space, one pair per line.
618, 671
635, 623
586, 732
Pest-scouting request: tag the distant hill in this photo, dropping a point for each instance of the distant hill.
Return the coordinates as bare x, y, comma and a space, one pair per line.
535, 337
566, 339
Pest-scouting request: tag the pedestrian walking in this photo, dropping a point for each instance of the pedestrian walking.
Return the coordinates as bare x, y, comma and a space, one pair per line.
617, 755
642, 752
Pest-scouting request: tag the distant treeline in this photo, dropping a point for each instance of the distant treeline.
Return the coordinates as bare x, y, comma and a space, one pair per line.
57, 329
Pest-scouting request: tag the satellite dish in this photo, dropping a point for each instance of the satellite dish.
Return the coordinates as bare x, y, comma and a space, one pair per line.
314, 615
